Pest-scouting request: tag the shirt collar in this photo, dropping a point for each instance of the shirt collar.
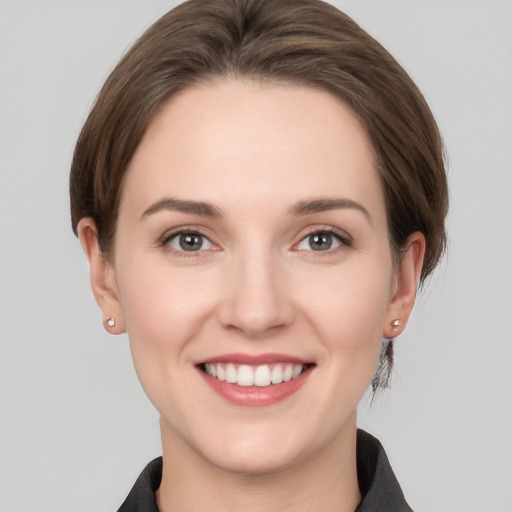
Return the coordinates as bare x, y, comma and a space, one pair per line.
379, 487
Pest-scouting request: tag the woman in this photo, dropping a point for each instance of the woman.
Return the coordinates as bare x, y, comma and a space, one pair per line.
259, 190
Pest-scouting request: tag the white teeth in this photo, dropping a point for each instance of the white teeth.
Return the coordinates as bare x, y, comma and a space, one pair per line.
277, 374
231, 373
297, 370
211, 369
288, 373
261, 376
245, 376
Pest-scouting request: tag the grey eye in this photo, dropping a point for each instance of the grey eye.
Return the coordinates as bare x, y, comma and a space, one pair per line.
320, 241
189, 242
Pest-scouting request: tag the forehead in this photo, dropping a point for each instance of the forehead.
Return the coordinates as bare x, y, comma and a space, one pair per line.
266, 142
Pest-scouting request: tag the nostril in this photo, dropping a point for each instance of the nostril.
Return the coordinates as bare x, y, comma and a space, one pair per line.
255, 323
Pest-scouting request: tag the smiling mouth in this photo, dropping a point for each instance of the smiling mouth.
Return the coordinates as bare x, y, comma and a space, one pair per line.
245, 375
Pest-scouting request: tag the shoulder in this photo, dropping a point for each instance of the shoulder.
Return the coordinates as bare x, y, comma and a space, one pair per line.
142, 496
379, 487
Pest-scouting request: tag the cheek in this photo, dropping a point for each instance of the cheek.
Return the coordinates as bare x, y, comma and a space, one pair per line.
163, 312
349, 304
163, 307
348, 311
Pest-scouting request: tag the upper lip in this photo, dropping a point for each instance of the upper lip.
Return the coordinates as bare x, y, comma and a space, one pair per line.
254, 360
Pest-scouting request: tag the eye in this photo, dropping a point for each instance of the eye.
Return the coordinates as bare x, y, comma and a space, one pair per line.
321, 241
189, 242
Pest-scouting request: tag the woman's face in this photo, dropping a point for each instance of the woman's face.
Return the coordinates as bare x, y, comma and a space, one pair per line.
252, 244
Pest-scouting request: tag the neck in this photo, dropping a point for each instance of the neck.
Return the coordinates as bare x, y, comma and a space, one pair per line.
326, 481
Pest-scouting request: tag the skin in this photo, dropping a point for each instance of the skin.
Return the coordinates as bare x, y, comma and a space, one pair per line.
254, 152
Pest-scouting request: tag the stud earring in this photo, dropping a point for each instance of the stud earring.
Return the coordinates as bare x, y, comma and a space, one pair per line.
111, 322
396, 324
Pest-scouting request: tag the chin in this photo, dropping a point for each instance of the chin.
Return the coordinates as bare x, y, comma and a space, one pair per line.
251, 449
252, 461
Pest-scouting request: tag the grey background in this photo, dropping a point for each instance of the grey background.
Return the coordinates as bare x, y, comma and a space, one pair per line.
75, 427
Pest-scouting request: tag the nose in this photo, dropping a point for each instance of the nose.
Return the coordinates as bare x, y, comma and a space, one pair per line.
256, 301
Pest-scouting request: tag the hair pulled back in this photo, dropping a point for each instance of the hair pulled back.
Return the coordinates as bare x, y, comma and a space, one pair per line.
303, 42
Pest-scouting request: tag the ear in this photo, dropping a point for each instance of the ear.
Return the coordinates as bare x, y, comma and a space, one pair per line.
406, 285
103, 279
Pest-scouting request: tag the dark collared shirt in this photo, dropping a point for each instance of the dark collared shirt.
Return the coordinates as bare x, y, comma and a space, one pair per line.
379, 487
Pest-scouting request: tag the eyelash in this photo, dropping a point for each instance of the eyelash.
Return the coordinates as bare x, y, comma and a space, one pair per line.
164, 242
345, 241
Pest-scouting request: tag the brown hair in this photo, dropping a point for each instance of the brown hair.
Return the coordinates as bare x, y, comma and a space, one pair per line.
306, 42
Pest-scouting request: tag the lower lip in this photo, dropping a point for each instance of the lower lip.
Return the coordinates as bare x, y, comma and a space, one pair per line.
254, 396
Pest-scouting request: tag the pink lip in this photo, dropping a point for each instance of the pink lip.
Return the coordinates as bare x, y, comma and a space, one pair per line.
254, 360
254, 396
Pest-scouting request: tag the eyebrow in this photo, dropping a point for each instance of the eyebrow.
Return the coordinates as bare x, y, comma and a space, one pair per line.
184, 206
209, 210
322, 205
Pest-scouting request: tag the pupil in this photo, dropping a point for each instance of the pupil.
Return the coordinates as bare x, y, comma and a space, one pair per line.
190, 242
320, 241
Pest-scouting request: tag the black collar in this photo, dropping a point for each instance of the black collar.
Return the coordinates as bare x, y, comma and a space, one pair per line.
378, 485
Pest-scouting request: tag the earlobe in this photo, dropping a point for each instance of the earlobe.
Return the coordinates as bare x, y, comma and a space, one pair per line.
102, 277
408, 275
